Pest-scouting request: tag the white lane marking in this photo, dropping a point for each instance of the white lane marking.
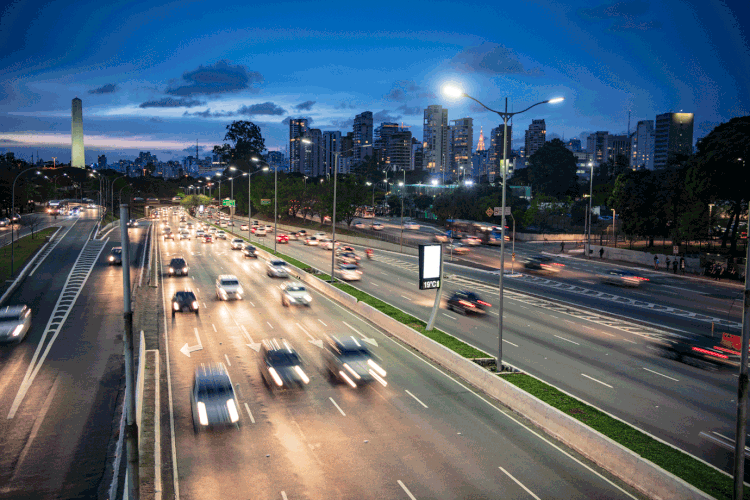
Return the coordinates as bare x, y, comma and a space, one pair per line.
249, 414
449, 316
269, 324
227, 358
406, 490
198, 290
519, 483
321, 321
192, 277
337, 406
205, 306
685, 289
632, 342
375, 284
407, 298
665, 376
509, 342
418, 401
214, 327
251, 304
717, 310
283, 495
598, 381
567, 340
355, 330
589, 282
37, 424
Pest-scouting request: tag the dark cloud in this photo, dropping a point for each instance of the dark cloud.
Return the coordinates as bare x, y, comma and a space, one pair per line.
264, 108
171, 102
384, 116
191, 149
304, 106
489, 58
404, 90
410, 110
109, 88
219, 78
286, 120
345, 105
209, 114
626, 9
343, 124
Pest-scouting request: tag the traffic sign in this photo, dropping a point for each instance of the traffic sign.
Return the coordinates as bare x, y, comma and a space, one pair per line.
498, 211
227, 203
489, 212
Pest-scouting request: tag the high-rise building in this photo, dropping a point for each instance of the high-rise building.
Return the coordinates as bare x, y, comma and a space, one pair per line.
314, 164
362, 135
642, 151
462, 141
574, 145
332, 143
536, 136
347, 145
276, 160
673, 135
393, 146
436, 141
596, 146
102, 162
417, 153
380, 137
297, 130
618, 145
77, 157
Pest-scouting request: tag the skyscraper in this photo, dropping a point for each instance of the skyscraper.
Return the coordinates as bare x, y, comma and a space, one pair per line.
462, 140
496, 147
536, 136
332, 142
297, 130
436, 139
642, 152
618, 145
102, 161
77, 158
596, 146
362, 135
673, 135
314, 164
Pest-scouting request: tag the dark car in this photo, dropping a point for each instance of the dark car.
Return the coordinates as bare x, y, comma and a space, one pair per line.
348, 258
622, 277
349, 360
280, 365
184, 301
543, 263
177, 267
702, 352
250, 251
212, 398
467, 302
115, 256
15, 322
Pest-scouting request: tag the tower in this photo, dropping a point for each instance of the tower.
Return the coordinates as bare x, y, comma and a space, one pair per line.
480, 144
673, 135
77, 158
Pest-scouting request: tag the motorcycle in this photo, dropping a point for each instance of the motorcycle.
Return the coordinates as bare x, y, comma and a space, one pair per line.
369, 253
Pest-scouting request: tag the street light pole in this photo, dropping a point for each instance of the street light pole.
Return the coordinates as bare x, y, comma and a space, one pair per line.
455, 92
403, 188
249, 202
591, 193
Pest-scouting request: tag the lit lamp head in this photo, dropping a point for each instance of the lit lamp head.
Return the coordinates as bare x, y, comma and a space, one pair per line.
556, 100
452, 91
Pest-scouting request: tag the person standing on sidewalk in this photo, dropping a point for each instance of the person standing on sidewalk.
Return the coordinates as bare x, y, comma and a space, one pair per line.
656, 262
562, 247
674, 266
668, 262
601, 253
682, 265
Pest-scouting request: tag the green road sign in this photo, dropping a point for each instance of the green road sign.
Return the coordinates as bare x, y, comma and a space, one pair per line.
265, 201
227, 203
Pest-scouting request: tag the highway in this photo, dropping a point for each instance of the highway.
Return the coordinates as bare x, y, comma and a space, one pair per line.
603, 362
61, 384
423, 435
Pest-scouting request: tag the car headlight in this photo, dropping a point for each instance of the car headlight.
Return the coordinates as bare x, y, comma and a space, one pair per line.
233, 415
17, 330
302, 375
184, 269
240, 291
376, 367
176, 306
202, 415
171, 270
195, 304
111, 258
275, 376
308, 298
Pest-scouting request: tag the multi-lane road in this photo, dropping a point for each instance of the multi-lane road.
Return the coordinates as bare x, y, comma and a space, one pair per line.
423, 435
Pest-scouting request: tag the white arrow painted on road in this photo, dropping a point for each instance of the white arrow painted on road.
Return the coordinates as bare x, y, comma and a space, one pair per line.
252, 345
186, 350
368, 340
312, 340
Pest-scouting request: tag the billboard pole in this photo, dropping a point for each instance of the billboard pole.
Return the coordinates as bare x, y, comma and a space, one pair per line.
438, 294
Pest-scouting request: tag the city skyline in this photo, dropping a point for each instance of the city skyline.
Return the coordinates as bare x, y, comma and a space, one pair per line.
142, 95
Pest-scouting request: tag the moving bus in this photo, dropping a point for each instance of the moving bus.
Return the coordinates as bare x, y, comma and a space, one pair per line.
57, 207
490, 234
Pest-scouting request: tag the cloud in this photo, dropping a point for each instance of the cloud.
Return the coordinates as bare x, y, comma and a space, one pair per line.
623, 14
170, 102
109, 88
191, 149
304, 106
410, 110
209, 114
384, 116
404, 90
490, 59
476, 108
343, 124
286, 120
265, 108
345, 105
219, 78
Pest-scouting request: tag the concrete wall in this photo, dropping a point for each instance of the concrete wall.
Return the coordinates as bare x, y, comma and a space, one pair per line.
548, 237
692, 265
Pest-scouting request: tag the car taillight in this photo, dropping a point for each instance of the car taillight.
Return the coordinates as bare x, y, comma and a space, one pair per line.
483, 303
558, 264
641, 278
466, 303
730, 351
710, 353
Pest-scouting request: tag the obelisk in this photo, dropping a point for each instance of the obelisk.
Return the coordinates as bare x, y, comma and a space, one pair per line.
77, 158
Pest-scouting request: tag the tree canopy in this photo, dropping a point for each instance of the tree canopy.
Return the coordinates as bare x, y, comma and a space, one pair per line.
552, 170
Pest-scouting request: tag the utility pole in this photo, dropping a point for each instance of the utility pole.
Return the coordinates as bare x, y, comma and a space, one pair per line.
739, 444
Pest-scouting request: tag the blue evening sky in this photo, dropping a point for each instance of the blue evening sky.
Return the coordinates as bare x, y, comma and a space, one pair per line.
158, 76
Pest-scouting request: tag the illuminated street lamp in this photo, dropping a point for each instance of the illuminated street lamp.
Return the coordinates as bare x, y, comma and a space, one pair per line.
249, 198
455, 92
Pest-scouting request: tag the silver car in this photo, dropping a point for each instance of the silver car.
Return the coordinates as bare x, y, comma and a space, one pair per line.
228, 287
237, 243
212, 398
15, 322
293, 294
277, 269
348, 272
349, 360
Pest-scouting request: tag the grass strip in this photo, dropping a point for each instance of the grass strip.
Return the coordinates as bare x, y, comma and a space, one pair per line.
23, 248
682, 465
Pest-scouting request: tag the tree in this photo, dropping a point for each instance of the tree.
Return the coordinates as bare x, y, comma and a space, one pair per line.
633, 198
423, 202
246, 142
552, 170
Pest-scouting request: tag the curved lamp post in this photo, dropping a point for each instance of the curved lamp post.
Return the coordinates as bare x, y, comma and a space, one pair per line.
13, 214
456, 92
249, 198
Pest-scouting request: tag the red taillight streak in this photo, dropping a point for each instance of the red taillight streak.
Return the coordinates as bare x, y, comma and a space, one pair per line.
556, 264
706, 351
483, 303
730, 351
467, 304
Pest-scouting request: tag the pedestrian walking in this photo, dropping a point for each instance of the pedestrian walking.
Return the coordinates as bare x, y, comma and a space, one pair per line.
718, 272
668, 263
674, 266
682, 265
562, 247
601, 253
656, 262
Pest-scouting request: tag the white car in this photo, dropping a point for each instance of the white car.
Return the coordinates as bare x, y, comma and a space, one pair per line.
471, 240
261, 231
348, 272
293, 294
199, 233
320, 236
327, 243
184, 235
244, 227
311, 241
224, 224
228, 287
222, 235
269, 228
411, 225
277, 269
377, 226
15, 322
359, 225
238, 243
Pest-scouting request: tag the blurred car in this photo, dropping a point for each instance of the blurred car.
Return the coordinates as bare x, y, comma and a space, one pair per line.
471, 240
467, 302
348, 272
189, 225
282, 238
348, 258
294, 294
230, 223
276, 268
244, 227
621, 277
457, 248
237, 243
115, 256
168, 234
15, 322
349, 360
707, 353
208, 238
327, 243
15, 217
212, 230
250, 251
184, 301
221, 235
200, 233
441, 238
91, 205
543, 263
132, 223
320, 235
280, 365
223, 223
311, 241
184, 235
228, 287
269, 228
377, 226
261, 231
359, 225
177, 267
302, 234
4, 222
212, 399
411, 225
